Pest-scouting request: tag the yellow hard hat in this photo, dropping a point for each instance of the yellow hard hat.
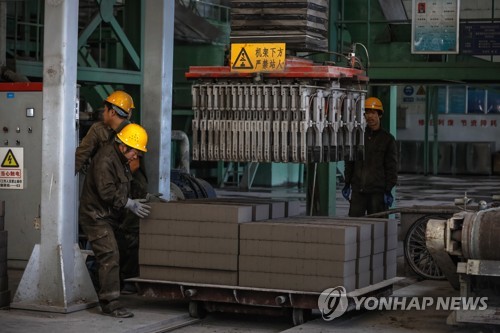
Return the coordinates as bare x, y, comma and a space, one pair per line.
374, 103
122, 100
134, 136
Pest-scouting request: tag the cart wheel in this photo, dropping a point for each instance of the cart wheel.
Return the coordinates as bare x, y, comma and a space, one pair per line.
416, 253
196, 309
298, 316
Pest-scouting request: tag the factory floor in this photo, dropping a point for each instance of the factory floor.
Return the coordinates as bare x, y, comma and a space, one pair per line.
156, 315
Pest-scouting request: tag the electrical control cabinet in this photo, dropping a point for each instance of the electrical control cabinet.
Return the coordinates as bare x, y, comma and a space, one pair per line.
20, 166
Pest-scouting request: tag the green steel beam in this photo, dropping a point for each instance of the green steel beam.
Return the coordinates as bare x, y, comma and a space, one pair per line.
109, 76
321, 189
98, 75
126, 43
89, 30
86, 60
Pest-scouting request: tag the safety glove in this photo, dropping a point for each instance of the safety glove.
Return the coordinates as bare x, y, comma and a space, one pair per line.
388, 199
138, 207
346, 192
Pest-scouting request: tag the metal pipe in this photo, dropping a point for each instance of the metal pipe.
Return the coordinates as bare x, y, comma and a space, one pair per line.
184, 149
190, 292
280, 300
480, 234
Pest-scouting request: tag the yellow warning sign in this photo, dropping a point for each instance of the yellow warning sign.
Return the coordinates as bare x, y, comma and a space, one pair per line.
9, 160
421, 90
261, 57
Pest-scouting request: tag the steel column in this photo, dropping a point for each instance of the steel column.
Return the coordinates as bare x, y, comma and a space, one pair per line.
157, 90
56, 278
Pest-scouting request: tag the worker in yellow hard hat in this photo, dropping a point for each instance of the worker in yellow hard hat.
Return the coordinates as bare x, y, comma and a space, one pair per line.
371, 180
118, 108
105, 196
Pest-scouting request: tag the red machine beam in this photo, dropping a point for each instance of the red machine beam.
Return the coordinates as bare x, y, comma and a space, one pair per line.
294, 68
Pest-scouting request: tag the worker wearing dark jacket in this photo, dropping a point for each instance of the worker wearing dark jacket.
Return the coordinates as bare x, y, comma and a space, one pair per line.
117, 110
372, 179
105, 196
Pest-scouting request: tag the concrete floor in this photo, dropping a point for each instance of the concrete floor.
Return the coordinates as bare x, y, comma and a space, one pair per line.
153, 315
429, 320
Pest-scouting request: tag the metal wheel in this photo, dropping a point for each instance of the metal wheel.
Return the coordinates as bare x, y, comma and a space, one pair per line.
298, 316
197, 310
416, 253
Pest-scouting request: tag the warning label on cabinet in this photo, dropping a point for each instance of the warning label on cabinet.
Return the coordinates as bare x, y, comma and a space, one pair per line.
11, 168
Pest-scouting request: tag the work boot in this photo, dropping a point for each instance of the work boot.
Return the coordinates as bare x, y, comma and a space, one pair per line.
114, 309
118, 313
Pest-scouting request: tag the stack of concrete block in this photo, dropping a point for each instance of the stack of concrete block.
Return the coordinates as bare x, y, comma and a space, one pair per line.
192, 242
4, 278
276, 208
249, 243
377, 257
280, 254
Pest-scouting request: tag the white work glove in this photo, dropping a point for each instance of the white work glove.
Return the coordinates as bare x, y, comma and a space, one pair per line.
138, 207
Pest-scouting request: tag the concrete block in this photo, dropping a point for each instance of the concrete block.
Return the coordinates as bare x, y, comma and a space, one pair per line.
188, 244
297, 266
363, 264
390, 271
378, 225
391, 242
193, 275
378, 245
276, 207
377, 261
260, 211
200, 212
363, 234
286, 230
227, 262
298, 250
377, 275
189, 228
363, 279
277, 210
391, 227
293, 208
294, 282
390, 257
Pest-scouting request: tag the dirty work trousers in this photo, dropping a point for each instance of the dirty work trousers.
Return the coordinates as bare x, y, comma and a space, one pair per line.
101, 235
366, 203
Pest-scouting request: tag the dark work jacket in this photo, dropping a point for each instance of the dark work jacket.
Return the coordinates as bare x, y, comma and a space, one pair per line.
107, 185
97, 136
378, 171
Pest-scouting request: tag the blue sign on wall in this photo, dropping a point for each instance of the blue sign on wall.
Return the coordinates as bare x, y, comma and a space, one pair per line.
480, 39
